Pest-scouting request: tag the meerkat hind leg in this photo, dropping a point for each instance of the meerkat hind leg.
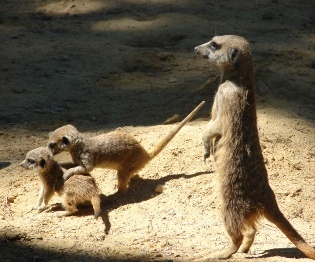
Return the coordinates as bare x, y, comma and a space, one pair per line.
123, 177
236, 237
96, 203
249, 236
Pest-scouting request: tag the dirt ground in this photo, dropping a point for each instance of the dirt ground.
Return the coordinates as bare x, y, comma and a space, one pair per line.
130, 65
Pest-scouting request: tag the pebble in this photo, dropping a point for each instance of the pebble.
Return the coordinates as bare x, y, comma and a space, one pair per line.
159, 189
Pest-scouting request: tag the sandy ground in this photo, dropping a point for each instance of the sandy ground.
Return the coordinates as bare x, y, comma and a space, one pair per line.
128, 64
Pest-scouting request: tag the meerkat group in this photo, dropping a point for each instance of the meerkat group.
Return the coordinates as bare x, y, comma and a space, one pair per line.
116, 150
231, 136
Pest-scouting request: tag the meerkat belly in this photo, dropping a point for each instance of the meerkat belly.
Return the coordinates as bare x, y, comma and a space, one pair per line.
242, 173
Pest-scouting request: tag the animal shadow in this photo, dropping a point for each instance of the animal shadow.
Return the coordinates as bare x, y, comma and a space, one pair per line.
140, 189
283, 252
4, 164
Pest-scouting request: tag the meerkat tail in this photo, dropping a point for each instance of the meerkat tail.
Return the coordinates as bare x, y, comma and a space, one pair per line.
160, 146
285, 226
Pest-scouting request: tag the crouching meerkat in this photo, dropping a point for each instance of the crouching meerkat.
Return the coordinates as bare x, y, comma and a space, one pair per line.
233, 137
79, 189
114, 150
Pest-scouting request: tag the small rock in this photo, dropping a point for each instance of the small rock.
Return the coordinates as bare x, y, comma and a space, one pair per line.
172, 120
11, 199
18, 90
159, 189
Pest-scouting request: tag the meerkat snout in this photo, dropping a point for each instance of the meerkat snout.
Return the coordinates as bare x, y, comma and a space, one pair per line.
204, 53
27, 163
52, 145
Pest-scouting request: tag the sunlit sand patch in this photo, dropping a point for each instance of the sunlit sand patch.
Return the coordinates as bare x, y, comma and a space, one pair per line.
74, 7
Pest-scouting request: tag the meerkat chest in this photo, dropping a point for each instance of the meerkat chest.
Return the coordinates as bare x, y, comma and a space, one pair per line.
231, 100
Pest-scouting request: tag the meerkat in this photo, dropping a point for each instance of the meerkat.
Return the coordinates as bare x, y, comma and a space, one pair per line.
79, 189
114, 150
233, 137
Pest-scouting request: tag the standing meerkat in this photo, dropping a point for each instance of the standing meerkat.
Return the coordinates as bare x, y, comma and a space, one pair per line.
233, 137
79, 189
115, 150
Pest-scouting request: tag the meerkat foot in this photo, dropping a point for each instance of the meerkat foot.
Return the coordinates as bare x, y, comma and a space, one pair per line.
40, 210
97, 215
219, 254
35, 208
226, 253
64, 213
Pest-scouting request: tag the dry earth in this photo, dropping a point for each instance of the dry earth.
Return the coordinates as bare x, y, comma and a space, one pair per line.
129, 64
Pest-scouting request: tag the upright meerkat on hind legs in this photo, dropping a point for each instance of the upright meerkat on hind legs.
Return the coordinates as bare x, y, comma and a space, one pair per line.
232, 136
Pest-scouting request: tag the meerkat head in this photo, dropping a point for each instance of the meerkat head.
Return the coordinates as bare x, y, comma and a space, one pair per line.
38, 159
63, 139
228, 52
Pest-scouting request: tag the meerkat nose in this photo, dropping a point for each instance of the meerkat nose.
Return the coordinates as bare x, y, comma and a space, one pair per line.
203, 53
52, 145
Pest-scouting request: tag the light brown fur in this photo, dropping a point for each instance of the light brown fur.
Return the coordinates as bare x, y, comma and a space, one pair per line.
115, 150
233, 137
79, 189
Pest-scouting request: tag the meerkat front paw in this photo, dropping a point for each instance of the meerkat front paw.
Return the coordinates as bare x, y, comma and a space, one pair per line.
66, 175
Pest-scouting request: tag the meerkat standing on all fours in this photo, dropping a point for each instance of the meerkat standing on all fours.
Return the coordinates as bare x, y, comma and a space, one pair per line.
80, 189
114, 150
232, 136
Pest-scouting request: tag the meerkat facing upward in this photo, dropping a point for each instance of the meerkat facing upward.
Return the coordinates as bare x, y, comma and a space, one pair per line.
233, 137
79, 189
115, 150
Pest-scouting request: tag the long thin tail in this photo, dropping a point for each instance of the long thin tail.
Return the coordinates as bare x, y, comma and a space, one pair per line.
160, 146
275, 216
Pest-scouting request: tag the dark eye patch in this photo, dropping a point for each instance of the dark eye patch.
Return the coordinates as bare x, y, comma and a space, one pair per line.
65, 140
213, 45
31, 161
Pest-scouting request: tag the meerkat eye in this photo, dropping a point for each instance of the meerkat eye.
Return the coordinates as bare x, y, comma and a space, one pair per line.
31, 161
65, 140
214, 45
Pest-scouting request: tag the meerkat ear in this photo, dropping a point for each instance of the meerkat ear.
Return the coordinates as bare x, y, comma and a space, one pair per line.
234, 55
42, 163
65, 140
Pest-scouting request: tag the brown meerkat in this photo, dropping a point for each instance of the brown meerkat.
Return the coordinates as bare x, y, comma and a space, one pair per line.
79, 189
233, 137
114, 150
